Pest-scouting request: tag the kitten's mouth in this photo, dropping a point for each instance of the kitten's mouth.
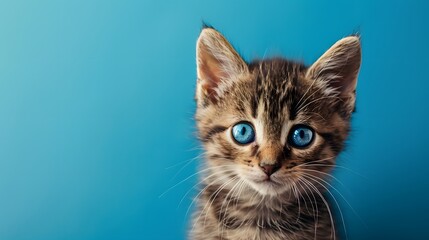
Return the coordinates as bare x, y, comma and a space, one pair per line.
267, 180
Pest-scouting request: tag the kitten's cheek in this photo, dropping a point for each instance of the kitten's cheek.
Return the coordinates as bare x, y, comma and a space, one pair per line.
244, 170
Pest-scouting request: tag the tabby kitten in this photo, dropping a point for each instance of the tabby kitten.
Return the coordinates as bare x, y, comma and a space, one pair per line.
271, 130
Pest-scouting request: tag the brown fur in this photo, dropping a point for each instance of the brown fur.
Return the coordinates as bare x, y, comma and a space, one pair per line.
236, 201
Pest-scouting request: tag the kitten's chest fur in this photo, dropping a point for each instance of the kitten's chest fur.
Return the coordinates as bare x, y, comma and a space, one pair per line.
223, 215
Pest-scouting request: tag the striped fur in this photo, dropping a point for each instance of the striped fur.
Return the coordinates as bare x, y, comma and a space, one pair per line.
236, 201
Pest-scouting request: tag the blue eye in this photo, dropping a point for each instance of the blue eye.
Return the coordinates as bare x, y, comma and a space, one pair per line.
301, 136
243, 133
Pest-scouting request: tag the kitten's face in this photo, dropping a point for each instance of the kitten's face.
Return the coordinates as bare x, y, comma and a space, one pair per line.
273, 125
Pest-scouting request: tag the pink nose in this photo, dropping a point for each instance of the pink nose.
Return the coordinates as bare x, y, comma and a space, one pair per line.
270, 168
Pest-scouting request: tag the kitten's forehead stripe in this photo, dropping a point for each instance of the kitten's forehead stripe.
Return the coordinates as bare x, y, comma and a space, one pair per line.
275, 86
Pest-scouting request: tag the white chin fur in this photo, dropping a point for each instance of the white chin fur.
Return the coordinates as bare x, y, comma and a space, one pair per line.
268, 188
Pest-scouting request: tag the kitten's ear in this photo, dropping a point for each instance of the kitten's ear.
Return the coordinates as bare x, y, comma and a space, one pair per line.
339, 66
218, 65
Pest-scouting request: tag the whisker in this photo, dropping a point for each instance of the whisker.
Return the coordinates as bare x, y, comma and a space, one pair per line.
214, 196
314, 161
204, 170
341, 195
315, 209
324, 173
308, 183
339, 166
203, 180
239, 192
201, 191
180, 163
333, 197
232, 190
315, 100
308, 89
189, 162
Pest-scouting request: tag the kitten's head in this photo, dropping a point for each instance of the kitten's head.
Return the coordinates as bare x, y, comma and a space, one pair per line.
273, 123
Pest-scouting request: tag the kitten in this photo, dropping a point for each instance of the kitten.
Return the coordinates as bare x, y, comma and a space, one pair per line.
271, 131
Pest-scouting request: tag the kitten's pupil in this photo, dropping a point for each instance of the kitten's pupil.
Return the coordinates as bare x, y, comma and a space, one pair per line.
301, 133
243, 131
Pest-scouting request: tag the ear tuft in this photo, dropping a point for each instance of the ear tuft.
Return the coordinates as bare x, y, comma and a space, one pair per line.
206, 25
339, 66
218, 64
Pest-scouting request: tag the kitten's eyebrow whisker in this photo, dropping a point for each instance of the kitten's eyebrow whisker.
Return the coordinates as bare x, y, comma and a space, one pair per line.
315, 100
299, 102
316, 113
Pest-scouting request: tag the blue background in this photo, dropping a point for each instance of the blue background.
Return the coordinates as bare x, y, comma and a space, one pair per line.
96, 107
